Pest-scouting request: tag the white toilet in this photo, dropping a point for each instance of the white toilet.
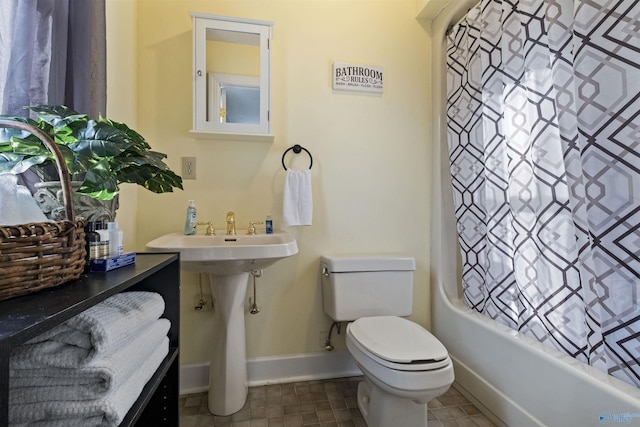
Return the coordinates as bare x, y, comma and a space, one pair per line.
404, 366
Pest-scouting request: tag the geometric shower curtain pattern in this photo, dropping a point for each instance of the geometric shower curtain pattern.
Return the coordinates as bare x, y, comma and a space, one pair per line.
543, 107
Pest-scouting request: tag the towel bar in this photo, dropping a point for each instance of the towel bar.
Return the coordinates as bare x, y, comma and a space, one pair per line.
297, 149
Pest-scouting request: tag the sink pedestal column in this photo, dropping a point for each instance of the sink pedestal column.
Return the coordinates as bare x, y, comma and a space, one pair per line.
228, 369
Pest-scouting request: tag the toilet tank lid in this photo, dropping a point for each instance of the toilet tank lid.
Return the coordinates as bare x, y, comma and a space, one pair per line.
356, 263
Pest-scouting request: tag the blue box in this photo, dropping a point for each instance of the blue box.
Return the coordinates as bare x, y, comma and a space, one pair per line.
113, 262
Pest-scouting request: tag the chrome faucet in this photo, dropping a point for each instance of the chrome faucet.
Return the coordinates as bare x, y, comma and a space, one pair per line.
231, 224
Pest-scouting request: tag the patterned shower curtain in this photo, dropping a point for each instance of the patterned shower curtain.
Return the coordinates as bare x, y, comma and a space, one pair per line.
544, 143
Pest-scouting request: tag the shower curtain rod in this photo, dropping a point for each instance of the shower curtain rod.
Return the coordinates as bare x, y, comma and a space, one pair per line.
459, 21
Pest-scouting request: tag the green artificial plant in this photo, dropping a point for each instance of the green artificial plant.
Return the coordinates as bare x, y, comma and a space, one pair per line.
100, 153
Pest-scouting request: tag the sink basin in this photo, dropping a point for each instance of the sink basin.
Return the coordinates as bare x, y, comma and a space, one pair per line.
227, 260
226, 255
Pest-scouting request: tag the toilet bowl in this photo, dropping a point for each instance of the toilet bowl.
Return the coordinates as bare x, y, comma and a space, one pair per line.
404, 366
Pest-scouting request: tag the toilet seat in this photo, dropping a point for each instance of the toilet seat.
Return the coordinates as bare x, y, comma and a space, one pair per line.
416, 380
398, 343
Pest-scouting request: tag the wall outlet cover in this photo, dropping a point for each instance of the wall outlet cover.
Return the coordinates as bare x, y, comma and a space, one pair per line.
188, 168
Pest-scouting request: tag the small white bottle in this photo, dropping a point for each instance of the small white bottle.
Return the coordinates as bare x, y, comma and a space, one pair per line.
116, 235
103, 250
191, 221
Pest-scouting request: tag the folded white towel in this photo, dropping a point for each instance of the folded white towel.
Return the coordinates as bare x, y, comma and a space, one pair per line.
297, 202
77, 341
107, 411
17, 206
92, 381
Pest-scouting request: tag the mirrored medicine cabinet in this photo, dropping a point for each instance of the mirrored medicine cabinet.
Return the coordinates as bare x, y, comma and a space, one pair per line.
231, 77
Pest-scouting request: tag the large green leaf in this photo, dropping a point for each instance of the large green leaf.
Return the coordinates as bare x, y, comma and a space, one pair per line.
163, 182
99, 181
98, 148
30, 145
58, 116
138, 142
151, 178
7, 133
15, 163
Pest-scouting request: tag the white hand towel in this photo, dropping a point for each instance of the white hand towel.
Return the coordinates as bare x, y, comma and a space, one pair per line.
91, 333
297, 202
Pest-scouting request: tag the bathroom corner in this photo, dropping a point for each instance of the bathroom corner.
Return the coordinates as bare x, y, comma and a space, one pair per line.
369, 152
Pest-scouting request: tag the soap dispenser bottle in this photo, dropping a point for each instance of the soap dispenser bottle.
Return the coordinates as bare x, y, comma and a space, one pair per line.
190, 222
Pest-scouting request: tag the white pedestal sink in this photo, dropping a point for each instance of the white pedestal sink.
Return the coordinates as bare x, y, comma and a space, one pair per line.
227, 260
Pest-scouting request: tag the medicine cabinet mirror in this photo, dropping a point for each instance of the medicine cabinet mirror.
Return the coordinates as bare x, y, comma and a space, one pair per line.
231, 77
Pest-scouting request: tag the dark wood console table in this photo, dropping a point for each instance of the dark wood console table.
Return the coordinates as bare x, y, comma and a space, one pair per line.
27, 316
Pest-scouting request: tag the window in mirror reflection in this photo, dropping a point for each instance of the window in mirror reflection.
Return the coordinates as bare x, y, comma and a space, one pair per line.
234, 98
241, 104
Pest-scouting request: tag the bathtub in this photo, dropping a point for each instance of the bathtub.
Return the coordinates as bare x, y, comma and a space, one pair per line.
514, 379
520, 382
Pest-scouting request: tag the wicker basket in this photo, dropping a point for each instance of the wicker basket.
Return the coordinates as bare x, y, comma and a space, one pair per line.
41, 255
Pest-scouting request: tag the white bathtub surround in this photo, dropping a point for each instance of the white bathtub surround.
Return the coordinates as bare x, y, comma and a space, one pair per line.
519, 381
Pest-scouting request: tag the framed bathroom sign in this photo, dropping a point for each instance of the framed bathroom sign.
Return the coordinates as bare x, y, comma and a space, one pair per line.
357, 77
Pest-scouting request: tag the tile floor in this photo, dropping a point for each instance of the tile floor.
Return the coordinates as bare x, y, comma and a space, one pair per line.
326, 403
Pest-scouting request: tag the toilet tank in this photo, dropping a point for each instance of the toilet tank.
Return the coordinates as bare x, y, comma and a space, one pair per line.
355, 286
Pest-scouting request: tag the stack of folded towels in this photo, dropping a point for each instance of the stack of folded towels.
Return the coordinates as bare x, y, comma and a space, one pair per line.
89, 370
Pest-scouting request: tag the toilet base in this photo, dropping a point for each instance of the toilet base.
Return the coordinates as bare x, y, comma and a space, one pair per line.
381, 409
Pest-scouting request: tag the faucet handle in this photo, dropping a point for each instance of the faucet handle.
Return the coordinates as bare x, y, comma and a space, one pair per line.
211, 230
251, 230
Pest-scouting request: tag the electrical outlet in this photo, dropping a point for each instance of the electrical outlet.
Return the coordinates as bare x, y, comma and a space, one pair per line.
188, 168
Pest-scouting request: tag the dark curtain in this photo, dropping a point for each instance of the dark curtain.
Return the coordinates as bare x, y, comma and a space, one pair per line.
53, 52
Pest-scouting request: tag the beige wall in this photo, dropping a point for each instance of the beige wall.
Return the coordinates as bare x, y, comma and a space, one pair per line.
370, 172
121, 96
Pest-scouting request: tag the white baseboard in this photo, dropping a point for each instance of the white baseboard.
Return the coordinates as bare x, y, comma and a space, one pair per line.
194, 378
